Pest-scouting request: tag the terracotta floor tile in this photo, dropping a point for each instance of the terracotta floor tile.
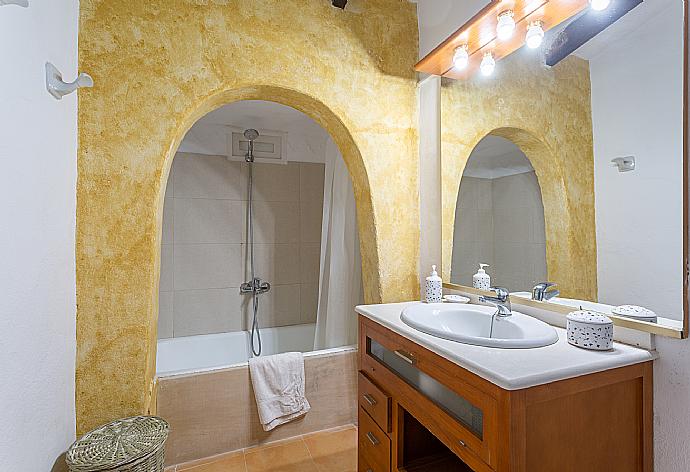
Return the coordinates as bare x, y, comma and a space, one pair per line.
292, 456
230, 463
334, 451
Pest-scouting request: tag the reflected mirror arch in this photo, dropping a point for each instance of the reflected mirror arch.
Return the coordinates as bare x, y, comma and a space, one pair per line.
563, 249
499, 218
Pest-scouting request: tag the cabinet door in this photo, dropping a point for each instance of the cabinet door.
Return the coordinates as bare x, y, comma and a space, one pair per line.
461, 415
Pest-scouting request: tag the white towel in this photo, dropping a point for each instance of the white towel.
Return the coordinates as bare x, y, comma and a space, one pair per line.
278, 383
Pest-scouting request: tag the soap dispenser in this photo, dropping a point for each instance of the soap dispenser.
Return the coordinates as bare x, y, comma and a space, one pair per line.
434, 291
481, 280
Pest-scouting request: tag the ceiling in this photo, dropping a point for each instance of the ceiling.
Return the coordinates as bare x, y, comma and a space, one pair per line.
496, 157
306, 139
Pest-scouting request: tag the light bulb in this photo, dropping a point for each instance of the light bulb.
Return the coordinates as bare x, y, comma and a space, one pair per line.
488, 64
461, 58
506, 25
535, 34
599, 5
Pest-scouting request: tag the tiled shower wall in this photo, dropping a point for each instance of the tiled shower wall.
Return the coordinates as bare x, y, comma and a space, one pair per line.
500, 222
204, 255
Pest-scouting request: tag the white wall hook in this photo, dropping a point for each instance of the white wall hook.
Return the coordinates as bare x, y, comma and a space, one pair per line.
21, 3
59, 88
624, 164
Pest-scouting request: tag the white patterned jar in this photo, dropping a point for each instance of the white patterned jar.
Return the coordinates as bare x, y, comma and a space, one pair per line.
433, 291
590, 330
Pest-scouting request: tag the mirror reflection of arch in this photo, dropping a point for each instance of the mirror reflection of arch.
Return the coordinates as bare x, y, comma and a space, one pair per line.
499, 218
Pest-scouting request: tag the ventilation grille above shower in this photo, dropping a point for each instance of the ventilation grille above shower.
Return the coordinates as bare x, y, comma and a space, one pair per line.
270, 146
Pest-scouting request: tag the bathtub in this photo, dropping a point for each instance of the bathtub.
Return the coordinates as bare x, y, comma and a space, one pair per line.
203, 389
214, 351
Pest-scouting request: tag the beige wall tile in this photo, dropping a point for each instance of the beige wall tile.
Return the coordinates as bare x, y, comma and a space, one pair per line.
200, 266
168, 213
200, 220
276, 182
166, 281
281, 306
202, 176
311, 182
207, 311
165, 315
309, 302
310, 254
311, 216
276, 222
277, 263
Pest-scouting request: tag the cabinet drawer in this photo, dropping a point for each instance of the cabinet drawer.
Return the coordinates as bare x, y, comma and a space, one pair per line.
375, 402
374, 445
364, 465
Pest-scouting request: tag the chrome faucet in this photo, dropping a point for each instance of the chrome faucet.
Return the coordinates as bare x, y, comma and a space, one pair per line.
256, 285
500, 301
541, 292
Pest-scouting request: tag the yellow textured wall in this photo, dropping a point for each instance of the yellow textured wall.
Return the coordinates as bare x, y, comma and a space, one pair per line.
546, 112
159, 65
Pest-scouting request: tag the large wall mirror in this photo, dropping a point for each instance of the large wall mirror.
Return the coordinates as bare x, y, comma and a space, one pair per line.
566, 164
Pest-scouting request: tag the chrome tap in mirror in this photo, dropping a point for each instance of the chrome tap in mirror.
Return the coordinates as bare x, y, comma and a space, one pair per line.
541, 292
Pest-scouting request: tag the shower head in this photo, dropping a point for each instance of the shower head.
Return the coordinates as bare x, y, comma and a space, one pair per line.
251, 134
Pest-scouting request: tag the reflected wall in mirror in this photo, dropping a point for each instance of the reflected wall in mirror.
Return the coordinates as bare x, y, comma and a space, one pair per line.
530, 184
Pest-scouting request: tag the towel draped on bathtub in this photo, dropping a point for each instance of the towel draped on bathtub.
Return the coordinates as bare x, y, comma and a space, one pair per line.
278, 383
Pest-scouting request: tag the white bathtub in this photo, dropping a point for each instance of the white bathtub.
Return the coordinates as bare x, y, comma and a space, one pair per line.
216, 351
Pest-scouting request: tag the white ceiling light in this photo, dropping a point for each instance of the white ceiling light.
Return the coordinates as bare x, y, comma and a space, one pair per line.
599, 5
461, 57
488, 64
506, 24
535, 34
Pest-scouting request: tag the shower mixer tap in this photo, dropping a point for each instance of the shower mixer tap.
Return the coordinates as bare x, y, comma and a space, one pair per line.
256, 285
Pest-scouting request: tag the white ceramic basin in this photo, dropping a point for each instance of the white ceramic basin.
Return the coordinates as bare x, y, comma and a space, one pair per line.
471, 324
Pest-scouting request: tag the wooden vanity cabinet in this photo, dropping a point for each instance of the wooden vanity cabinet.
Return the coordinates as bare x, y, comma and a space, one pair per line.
420, 412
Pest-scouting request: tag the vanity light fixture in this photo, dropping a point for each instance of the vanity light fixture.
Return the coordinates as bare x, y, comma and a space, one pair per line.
488, 64
599, 5
461, 57
506, 24
535, 34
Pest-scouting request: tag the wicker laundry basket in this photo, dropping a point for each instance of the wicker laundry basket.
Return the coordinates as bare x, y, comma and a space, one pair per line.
135, 444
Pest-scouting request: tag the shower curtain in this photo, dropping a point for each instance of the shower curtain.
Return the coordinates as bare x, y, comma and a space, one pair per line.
340, 279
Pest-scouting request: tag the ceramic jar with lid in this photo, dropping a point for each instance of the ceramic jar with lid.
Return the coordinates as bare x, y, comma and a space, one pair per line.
590, 330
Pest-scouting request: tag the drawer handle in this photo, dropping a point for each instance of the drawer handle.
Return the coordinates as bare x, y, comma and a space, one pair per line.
369, 470
372, 439
462, 443
370, 400
406, 356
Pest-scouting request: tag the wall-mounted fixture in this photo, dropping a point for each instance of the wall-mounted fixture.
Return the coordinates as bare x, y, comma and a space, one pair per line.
624, 164
535, 34
500, 28
59, 88
339, 3
461, 57
506, 25
20, 3
600, 5
488, 64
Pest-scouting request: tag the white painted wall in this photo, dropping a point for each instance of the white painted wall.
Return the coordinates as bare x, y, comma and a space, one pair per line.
38, 143
637, 92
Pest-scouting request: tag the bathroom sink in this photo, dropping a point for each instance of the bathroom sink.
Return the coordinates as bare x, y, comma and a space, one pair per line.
471, 324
